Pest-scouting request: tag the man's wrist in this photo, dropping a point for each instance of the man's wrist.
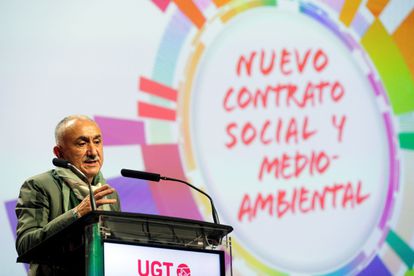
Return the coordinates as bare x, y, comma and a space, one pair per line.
75, 213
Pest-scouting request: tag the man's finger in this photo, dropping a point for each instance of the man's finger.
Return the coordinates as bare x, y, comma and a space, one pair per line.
104, 193
105, 201
102, 188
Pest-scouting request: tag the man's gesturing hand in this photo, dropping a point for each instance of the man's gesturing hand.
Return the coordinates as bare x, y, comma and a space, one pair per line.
85, 206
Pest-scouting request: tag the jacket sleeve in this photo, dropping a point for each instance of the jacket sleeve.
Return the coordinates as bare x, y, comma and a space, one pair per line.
33, 211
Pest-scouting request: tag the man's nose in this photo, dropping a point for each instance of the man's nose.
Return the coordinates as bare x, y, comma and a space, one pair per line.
92, 150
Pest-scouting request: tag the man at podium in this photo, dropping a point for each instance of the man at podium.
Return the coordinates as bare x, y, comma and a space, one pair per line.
50, 201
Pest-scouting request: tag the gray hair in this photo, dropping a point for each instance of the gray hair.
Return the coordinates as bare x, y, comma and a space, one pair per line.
61, 126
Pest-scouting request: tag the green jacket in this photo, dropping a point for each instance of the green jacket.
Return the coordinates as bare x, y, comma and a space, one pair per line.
44, 208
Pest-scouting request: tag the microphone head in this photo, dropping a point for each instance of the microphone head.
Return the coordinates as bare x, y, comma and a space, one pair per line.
60, 163
141, 175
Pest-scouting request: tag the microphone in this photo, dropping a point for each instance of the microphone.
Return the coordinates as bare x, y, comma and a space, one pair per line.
67, 165
141, 175
157, 177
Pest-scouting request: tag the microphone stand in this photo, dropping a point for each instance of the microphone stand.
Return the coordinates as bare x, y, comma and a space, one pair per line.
66, 165
85, 179
213, 209
156, 177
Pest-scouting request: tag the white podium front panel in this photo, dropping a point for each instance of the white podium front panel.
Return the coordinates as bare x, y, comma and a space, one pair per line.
132, 259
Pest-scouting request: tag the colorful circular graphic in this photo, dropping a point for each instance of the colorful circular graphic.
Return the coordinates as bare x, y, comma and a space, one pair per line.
276, 132
286, 123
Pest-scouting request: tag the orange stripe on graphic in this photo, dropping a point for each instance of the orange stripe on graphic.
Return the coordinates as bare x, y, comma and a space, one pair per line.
157, 89
191, 11
220, 3
376, 6
349, 9
155, 112
403, 37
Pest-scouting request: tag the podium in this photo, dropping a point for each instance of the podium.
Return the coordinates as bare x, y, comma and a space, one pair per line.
119, 243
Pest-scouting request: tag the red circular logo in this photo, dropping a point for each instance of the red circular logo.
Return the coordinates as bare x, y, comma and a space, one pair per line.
183, 270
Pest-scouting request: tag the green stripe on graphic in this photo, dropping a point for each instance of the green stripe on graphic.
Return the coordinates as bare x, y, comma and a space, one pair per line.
409, 272
391, 66
402, 249
270, 2
406, 140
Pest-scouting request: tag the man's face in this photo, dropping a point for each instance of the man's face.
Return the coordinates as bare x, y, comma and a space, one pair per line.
82, 146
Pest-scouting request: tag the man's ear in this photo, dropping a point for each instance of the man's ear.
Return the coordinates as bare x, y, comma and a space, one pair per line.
58, 152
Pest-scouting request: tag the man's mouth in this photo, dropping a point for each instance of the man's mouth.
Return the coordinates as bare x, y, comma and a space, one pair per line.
91, 161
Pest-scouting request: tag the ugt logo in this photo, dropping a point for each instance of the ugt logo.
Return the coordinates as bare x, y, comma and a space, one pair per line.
157, 268
183, 270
